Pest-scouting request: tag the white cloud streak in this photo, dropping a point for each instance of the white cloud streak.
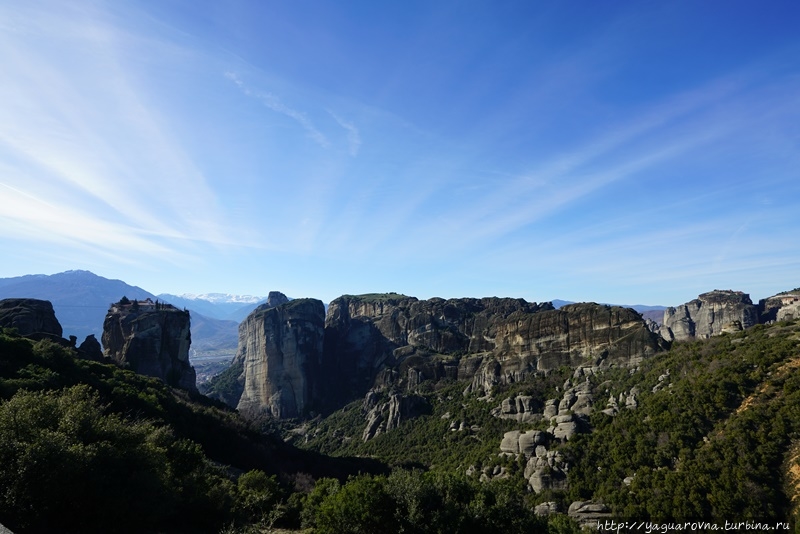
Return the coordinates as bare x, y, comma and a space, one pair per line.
78, 127
275, 104
353, 136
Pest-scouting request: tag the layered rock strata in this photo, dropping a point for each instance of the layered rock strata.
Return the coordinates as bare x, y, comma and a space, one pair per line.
397, 340
394, 343
280, 349
151, 339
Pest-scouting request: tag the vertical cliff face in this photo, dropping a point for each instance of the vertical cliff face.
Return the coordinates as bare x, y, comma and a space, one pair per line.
30, 317
386, 336
577, 335
781, 307
710, 314
379, 339
280, 349
152, 341
585, 335
294, 359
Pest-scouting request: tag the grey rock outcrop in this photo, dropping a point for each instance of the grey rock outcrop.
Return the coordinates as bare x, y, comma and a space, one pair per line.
519, 442
280, 349
577, 399
566, 426
710, 314
91, 349
781, 307
484, 341
385, 416
522, 408
588, 512
275, 298
152, 340
545, 469
30, 317
546, 508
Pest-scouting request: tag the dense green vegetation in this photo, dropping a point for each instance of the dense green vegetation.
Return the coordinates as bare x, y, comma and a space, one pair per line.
90, 447
712, 437
226, 386
713, 445
421, 503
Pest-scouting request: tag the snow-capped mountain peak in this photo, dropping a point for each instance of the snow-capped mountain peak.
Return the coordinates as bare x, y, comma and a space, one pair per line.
223, 298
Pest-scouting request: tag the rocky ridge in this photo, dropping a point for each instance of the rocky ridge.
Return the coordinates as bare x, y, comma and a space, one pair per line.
781, 307
36, 319
395, 343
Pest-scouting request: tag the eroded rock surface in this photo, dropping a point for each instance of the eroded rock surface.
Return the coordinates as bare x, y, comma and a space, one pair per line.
484, 341
708, 315
280, 349
30, 317
390, 342
781, 307
388, 415
151, 339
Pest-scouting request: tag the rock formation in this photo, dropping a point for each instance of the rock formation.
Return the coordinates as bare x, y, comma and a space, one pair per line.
293, 363
30, 317
781, 307
275, 298
367, 334
390, 339
522, 408
710, 314
388, 415
545, 469
280, 349
589, 513
152, 340
91, 349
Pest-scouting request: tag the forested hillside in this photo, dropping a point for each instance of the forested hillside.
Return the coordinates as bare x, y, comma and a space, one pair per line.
712, 433
90, 447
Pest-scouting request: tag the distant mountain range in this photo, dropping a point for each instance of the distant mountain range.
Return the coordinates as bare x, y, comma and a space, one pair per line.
216, 305
80, 298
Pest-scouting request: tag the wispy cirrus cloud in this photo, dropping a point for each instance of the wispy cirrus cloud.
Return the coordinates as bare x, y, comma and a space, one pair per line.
353, 136
87, 153
275, 104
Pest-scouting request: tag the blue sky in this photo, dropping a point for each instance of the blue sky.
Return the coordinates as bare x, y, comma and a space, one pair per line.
629, 152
